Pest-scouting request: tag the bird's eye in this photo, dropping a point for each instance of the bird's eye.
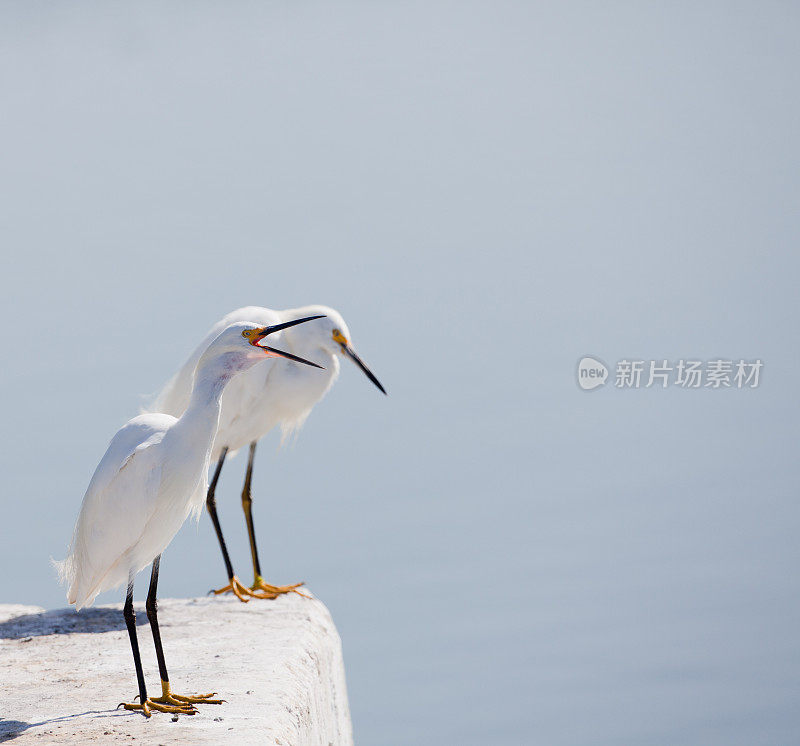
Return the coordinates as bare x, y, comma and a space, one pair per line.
246, 334
336, 332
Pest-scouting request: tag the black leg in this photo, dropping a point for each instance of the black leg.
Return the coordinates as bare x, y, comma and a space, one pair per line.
130, 623
152, 615
247, 506
260, 588
211, 504
168, 701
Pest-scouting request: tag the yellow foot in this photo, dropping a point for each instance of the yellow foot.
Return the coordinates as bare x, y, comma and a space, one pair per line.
148, 705
235, 587
244, 594
179, 700
276, 590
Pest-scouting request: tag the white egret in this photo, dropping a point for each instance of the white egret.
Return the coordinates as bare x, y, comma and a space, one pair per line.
274, 393
151, 478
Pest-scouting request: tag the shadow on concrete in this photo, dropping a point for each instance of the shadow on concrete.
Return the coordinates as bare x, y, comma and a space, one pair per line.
11, 729
65, 622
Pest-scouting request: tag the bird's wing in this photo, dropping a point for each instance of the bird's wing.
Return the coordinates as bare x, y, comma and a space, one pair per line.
118, 502
138, 432
173, 398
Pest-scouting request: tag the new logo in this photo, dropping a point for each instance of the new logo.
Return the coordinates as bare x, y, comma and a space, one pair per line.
591, 373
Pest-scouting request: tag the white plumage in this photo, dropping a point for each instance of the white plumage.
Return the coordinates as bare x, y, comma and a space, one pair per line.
277, 393
153, 475
112, 535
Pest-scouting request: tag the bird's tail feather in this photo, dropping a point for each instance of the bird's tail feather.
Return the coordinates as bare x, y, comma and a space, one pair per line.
66, 575
75, 571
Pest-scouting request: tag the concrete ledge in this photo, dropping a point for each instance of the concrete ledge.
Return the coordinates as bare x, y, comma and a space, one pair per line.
277, 663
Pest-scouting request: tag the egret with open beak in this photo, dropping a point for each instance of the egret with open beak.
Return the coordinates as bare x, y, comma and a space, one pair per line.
150, 480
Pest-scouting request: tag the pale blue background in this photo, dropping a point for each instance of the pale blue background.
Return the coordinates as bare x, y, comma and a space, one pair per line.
487, 191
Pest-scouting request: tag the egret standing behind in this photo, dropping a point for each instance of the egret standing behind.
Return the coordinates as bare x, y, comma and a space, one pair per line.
277, 393
151, 478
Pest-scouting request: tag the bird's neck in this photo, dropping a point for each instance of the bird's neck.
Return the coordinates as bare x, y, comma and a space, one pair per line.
200, 420
299, 342
209, 383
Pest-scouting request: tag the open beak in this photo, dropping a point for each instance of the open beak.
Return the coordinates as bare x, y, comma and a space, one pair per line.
351, 353
259, 334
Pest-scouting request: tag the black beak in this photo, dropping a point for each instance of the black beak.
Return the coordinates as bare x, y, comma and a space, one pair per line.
277, 327
351, 353
267, 330
289, 356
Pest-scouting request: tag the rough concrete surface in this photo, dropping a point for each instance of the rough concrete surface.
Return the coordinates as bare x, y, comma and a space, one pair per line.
278, 664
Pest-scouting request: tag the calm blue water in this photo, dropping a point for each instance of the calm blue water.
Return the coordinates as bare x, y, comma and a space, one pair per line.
487, 192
